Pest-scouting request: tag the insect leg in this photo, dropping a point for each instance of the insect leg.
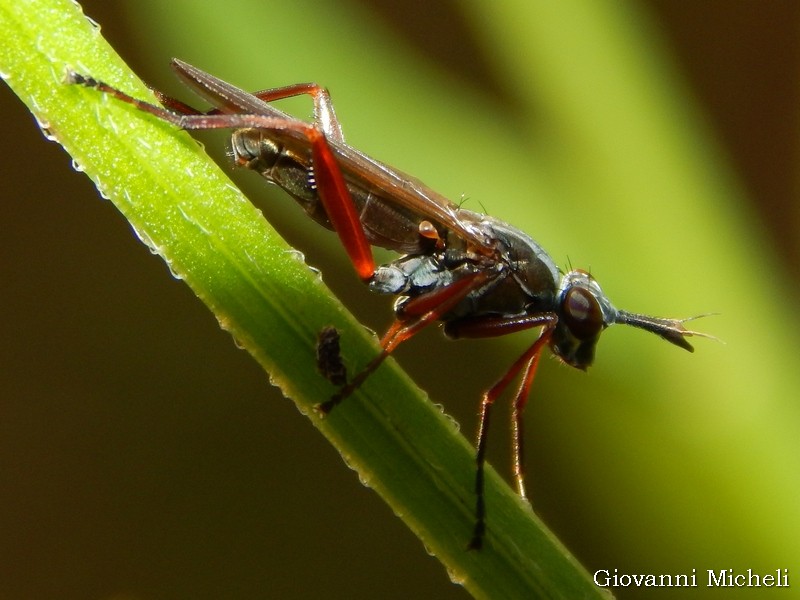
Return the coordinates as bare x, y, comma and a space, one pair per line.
416, 315
324, 115
518, 410
175, 105
339, 205
230, 99
527, 362
330, 181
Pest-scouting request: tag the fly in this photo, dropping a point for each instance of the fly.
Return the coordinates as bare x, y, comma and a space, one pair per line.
478, 275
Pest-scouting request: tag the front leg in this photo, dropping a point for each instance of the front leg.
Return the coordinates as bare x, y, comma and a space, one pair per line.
415, 315
491, 327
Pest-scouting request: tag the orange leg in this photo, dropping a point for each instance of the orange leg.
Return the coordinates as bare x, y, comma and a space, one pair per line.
527, 363
331, 185
418, 313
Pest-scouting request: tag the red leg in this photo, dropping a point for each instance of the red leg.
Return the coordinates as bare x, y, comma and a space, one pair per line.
331, 185
175, 105
487, 327
424, 309
517, 413
232, 100
324, 115
529, 360
339, 205
419, 313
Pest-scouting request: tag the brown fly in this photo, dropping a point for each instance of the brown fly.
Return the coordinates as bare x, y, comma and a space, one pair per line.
478, 275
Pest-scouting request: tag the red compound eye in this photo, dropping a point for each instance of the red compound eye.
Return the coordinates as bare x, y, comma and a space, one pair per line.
582, 313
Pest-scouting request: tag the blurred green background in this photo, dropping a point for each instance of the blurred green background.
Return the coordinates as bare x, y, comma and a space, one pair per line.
143, 456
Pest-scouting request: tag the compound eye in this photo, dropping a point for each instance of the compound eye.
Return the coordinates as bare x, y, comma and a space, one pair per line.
582, 313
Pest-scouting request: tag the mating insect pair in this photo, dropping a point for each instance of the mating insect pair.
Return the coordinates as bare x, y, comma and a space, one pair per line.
480, 276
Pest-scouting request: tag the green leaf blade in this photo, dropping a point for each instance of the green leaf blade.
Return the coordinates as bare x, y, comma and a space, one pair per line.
184, 209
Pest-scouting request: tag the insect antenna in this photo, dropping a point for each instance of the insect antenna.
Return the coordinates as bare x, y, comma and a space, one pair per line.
671, 330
